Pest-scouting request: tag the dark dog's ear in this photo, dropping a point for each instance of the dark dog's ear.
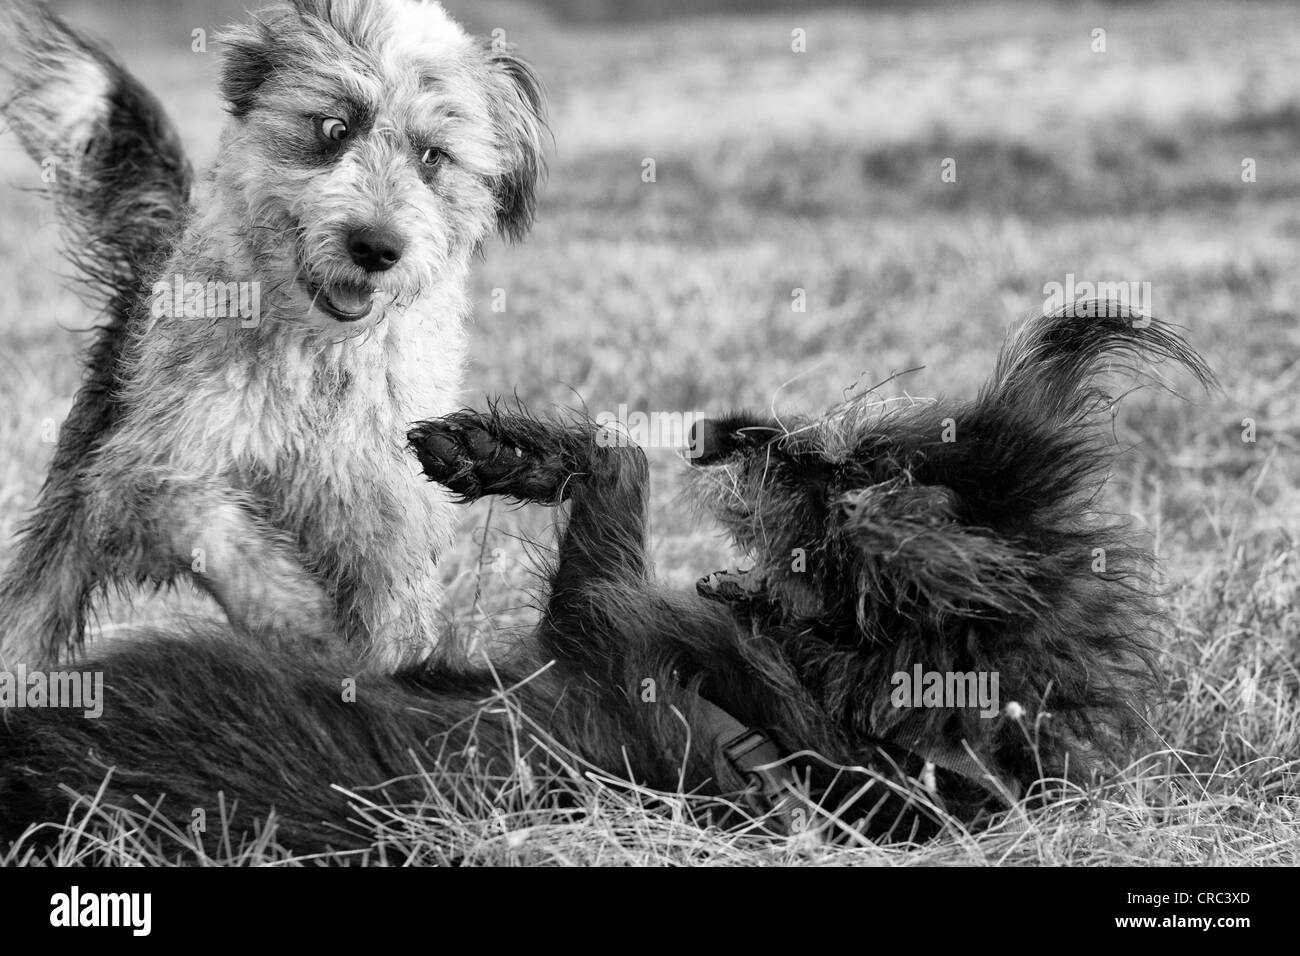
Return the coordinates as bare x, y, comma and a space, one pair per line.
920, 558
519, 110
248, 59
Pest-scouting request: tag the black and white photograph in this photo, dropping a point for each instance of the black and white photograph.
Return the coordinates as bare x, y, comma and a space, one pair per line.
644, 433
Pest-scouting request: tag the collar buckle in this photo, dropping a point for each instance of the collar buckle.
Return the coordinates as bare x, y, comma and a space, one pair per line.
755, 756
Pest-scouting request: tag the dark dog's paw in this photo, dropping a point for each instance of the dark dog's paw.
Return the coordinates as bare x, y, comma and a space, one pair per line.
476, 454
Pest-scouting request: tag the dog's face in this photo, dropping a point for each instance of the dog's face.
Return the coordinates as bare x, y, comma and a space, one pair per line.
772, 486
875, 511
375, 145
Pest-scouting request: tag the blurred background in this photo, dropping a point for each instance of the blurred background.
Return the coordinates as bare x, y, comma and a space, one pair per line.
801, 146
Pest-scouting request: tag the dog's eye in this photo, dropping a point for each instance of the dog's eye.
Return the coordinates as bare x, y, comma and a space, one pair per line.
433, 157
333, 128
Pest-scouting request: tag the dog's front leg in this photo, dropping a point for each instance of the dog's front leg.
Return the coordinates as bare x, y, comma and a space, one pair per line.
605, 480
247, 567
388, 589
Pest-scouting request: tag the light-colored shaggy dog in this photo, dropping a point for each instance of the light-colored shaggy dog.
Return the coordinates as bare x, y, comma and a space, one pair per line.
269, 341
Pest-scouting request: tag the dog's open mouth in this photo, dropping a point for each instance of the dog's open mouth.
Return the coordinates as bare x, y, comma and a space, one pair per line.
345, 301
740, 584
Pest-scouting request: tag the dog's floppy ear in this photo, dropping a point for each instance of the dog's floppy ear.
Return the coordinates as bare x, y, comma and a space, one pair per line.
248, 59
519, 109
918, 557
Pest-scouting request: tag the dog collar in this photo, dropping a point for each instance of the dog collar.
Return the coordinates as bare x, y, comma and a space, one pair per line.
771, 787
755, 756
958, 759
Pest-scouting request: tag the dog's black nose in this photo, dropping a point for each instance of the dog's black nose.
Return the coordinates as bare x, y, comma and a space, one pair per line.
374, 249
702, 443
713, 439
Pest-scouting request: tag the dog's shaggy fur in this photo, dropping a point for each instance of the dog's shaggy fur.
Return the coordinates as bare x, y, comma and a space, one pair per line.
371, 148
978, 553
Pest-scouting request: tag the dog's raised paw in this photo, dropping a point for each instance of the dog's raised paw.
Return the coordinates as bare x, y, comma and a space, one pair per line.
469, 453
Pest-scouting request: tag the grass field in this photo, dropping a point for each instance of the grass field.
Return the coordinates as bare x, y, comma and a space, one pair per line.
820, 171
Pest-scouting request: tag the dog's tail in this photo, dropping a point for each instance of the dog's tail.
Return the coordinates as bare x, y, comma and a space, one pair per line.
1051, 363
120, 184
109, 157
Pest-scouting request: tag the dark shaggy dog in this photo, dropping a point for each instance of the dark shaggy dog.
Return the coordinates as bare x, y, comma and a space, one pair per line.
959, 536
